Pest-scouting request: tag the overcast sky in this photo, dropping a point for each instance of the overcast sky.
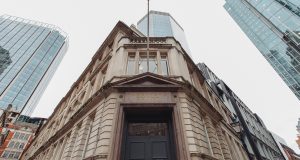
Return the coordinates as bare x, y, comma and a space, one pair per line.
213, 37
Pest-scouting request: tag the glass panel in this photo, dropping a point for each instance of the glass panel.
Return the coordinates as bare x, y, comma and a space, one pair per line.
5, 154
11, 144
263, 5
16, 135
17, 154
21, 146
273, 8
17, 145
164, 65
143, 64
152, 64
130, 65
147, 129
11, 155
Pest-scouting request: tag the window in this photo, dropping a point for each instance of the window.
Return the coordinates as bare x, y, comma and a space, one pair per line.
16, 135
5, 154
21, 146
158, 65
103, 76
22, 136
164, 65
11, 144
17, 145
147, 129
11, 155
143, 63
152, 63
17, 155
26, 137
131, 64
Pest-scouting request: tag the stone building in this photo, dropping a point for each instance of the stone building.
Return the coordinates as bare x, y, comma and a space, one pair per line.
257, 139
118, 110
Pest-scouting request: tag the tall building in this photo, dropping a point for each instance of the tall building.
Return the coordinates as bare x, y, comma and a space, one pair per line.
162, 24
30, 52
257, 139
274, 28
123, 112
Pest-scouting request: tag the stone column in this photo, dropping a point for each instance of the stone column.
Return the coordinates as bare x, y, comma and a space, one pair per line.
231, 147
70, 144
213, 138
79, 145
106, 127
223, 143
95, 130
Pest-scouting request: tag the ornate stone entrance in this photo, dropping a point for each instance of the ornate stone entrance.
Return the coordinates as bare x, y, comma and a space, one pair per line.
148, 136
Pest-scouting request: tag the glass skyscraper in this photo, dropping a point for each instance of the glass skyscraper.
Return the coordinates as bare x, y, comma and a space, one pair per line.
274, 28
30, 52
162, 24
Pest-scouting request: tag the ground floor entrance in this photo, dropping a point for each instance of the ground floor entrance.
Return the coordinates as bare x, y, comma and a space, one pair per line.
148, 136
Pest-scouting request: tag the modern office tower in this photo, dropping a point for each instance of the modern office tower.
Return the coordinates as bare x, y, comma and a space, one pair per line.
256, 138
124, 112
30, 52
274, 28
162, 24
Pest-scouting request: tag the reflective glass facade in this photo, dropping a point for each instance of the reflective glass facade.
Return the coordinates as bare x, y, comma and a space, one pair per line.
162, 24
274, 28
29, 55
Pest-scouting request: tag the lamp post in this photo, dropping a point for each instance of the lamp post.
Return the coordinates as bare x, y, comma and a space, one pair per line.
148, 37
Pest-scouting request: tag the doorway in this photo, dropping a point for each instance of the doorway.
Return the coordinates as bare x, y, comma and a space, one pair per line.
148, 135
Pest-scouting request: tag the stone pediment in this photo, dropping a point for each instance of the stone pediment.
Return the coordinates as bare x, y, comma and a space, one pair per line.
148, 81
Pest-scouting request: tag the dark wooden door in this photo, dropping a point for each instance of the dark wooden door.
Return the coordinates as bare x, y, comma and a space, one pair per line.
147, 141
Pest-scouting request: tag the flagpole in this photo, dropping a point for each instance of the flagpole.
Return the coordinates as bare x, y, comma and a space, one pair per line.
148, 37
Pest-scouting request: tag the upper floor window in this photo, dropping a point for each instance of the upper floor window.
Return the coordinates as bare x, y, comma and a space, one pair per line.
158, 63
131, 63
164, 64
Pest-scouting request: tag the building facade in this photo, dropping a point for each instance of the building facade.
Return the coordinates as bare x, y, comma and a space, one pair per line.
16, 135
256, 138
124, 112
290, 153
30, 52
274, 28
162, 24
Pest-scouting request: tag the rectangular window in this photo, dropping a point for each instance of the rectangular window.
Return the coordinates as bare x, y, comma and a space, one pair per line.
11, 144
17, 155
26, 137
17, 145
5, 154
164, 65
16, 135
157, 65
131, 64
21, 146
11, 155
152, 63
143, 62
22, 136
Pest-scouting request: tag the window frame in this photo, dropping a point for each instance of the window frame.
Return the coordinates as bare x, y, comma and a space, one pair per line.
138, 55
